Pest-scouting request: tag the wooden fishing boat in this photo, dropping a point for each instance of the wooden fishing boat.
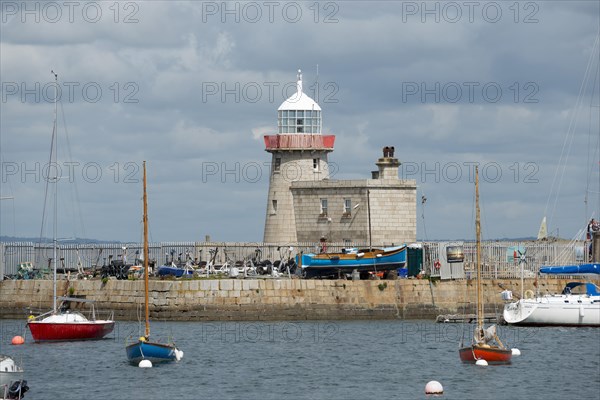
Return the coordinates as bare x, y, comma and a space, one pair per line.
362, 260
485, 344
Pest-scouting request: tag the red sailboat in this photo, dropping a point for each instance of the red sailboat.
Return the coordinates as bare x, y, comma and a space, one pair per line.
61, 323
486, 344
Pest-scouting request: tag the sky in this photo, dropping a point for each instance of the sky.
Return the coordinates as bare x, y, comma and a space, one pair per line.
191, 87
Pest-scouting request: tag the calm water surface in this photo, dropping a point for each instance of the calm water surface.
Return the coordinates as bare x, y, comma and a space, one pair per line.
311, 360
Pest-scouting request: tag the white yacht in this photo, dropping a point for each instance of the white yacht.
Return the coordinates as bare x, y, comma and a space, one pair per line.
577, 305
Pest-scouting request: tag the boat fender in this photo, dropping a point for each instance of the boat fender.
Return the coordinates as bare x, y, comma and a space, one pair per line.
529, 294
437, 264
17, 389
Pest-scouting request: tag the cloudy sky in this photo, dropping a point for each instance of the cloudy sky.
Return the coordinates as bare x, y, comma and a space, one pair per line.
191, 87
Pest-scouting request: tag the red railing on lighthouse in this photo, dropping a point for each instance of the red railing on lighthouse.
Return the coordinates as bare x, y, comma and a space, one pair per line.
295, 141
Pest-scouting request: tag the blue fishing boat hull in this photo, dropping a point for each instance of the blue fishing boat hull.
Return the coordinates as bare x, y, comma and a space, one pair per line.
155, 352
572, 269
166, 270
330, 264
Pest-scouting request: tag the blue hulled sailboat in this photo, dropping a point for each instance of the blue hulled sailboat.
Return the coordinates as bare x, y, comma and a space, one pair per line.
144, 349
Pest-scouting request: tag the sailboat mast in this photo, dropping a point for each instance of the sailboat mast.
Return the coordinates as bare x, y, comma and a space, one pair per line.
369, 217
54, 149
145, 218
478, 254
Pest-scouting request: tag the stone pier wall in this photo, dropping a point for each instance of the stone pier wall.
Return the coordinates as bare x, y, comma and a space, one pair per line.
268, 299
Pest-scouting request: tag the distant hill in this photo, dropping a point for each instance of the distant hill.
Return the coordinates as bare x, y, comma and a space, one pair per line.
518, 239
8, 239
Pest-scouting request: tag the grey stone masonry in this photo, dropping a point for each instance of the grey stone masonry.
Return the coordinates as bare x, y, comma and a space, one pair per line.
304, 205
391, 204
287, 167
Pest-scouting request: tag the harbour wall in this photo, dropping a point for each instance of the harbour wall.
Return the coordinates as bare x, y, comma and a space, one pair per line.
269, 299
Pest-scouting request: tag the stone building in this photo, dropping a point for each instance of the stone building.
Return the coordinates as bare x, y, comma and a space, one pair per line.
304, 205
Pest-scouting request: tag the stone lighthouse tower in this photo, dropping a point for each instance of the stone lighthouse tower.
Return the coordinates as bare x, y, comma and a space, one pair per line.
299, 153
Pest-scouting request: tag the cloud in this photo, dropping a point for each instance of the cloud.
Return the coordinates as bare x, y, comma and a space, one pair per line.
179, 86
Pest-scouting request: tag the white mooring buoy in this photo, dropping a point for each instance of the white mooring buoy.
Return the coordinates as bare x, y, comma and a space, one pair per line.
145, 364
178, 354
516, 352
482, 363
434, 387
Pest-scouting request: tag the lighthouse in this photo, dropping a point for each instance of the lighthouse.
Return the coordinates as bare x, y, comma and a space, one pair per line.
305, 206
298, 153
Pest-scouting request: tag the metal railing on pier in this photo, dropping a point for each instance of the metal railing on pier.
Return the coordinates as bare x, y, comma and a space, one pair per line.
500, 259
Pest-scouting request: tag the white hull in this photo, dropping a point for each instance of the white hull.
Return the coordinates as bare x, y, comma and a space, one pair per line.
6, 378
9, 371
558, 310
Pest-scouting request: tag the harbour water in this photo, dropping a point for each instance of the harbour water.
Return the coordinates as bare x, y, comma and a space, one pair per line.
310, 360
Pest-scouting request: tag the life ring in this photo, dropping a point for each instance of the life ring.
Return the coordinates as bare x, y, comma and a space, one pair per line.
437, 264
529, 294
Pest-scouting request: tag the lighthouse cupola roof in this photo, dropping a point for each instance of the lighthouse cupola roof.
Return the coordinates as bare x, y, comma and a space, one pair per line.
299, 100
299, 113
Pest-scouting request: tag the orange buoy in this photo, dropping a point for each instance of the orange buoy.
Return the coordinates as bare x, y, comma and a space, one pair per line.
18, 340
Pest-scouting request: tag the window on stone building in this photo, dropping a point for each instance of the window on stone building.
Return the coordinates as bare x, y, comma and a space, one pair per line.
324, 207
274, 206
347, 206
277, 165
316, 164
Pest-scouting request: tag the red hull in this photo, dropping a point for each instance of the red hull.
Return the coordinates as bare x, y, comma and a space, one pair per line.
493, 355
52, 331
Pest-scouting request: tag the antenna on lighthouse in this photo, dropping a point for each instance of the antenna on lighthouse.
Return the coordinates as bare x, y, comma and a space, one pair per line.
317, 85
299, 84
